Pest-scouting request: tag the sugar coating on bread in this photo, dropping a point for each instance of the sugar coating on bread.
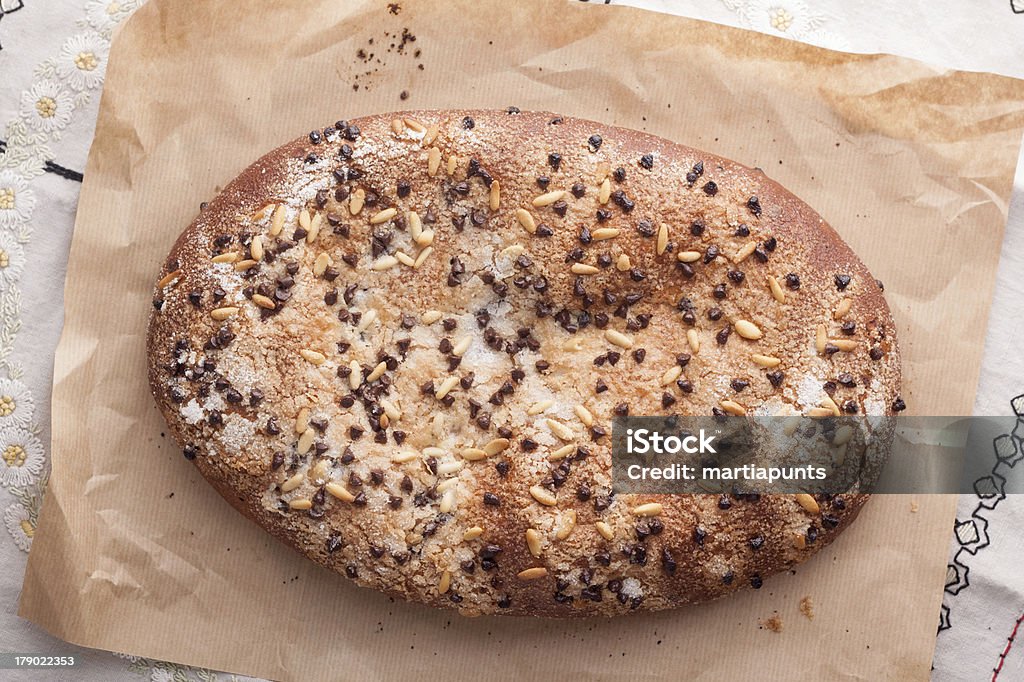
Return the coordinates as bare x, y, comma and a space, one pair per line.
399, 342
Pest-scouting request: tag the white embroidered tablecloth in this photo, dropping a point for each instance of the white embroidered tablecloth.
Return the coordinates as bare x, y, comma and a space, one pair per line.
52, 61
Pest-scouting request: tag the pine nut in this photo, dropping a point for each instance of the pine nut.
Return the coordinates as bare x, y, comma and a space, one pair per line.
340, 492
277, 221
548, 198
532, 573
526, 220
744, 252
497, 445
538, 408
384, 263
748, 330
446, 386
693, 340
315, 357
533, 542
320, 265
543, 495
444, 583
671, 374
168, 278
733, 408
561, 453
305, 441
383, 216
561, 431
568, 523
314, 228
462, 346
649, 509
583, 269
472, 454
356, 201
605, 233
433, 161
494, 199
263, 302
585, 416
292, 483
618, 338
377, 372
808, 503
821, 338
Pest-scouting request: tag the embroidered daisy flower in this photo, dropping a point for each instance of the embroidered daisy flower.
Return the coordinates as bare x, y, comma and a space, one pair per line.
21, 457
789, 18
128, 657
103, 15
83, 60
16, 406
19, 525
16, 199
12, 260
47, 106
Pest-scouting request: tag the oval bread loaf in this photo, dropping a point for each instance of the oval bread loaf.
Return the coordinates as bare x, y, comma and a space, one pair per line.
399, 342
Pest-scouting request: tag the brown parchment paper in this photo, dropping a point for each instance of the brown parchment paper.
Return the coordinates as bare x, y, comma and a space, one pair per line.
136, 553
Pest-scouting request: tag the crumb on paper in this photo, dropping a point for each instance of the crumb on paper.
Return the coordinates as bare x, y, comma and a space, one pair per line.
914, 506
774, 624
807, 607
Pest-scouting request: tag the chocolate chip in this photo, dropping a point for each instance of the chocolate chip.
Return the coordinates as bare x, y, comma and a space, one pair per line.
594, 143
842, 281
647, 161
710, 188
468, 123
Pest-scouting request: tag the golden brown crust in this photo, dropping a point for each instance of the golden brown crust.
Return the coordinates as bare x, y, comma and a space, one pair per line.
388, 476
